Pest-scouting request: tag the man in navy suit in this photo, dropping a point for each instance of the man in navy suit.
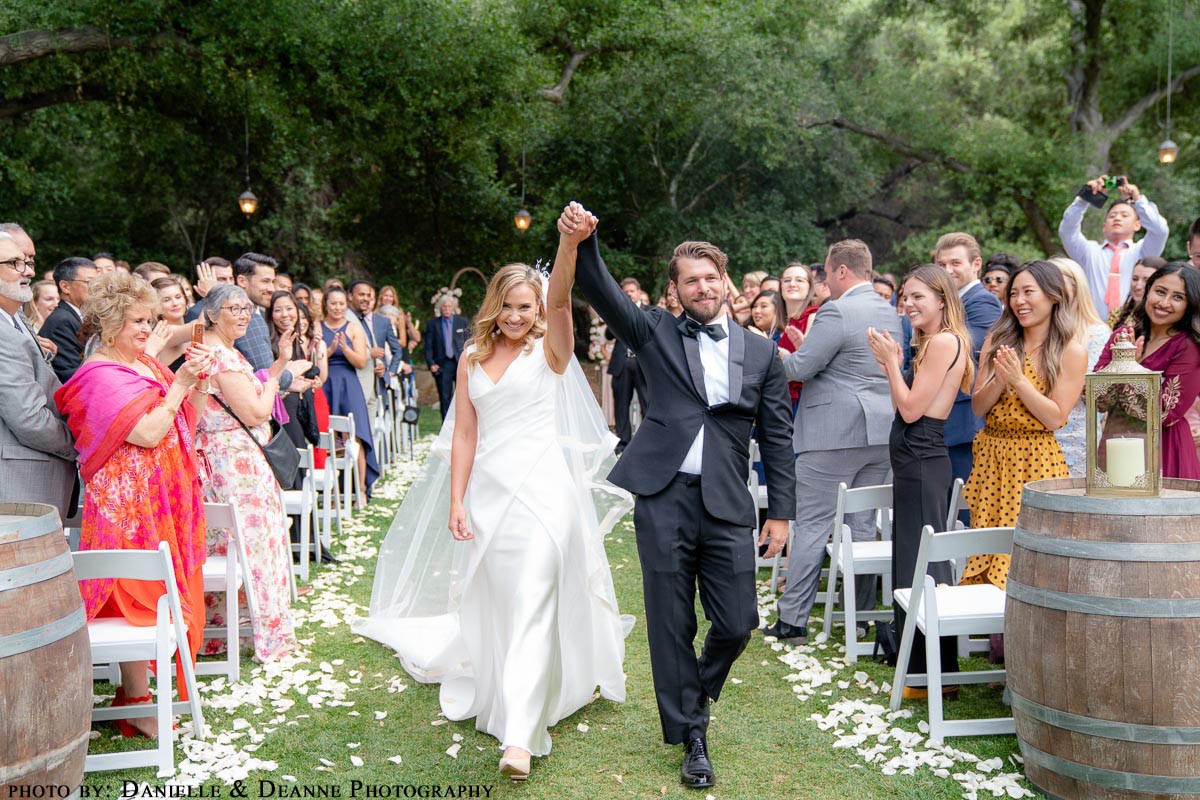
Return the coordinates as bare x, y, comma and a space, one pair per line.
71, 276
959, 255
445, 337
381, 337
626, 375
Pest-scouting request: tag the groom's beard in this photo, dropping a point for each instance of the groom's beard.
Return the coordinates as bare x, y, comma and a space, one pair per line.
19, 290
702, 315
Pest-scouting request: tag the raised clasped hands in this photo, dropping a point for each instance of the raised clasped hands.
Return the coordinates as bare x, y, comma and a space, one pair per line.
885, 349
458, 523
1008, 366
576, 223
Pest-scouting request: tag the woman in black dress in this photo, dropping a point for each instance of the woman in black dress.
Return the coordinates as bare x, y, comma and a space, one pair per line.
921, 474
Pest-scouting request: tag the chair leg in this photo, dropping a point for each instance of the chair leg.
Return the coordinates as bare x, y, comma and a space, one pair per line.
933, 661
906, 642
162, 695
233, 631
849, 599
835, 554
305, 541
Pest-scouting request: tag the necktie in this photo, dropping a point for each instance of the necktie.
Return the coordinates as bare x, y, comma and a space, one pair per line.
448, 325
1112, 294
690, 327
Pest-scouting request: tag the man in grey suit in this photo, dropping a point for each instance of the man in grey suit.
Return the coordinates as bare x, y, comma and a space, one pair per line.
841, 428
37, 457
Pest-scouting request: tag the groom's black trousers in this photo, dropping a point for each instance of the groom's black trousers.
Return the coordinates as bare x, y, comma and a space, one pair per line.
680, 545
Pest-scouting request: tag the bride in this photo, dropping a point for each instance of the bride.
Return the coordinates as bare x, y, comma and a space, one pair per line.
514, 612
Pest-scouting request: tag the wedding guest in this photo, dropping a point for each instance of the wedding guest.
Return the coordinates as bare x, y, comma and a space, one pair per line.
1109, 264
45, 300
841, 427
303, 294
767, 315
150, 270
283, 282
347, 347
175, 336
385, 355
1092, 333
189, 294
105, 263
820, 286
317, 306
1193, 243
1142, 270
923, 398
291, 330
884, 287
37, 458
212, 271
133, 421
959, 254
231, 433
255, 274
1030, 375
389, 297
627, 377
752, 284
445, 338
671, 299
769, 283
71, 276
996, 273
797, 293
1167, 329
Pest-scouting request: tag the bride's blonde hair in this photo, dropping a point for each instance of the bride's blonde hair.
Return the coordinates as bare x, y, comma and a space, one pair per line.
507, 278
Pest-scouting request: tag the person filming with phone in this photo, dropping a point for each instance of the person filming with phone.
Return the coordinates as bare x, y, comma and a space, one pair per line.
1108, 265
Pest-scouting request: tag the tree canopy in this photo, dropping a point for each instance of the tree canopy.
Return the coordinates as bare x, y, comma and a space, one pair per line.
391, 138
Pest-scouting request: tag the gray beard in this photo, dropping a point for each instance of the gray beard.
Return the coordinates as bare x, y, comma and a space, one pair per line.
15, 290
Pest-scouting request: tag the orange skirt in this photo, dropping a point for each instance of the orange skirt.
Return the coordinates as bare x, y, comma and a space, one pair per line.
137, 603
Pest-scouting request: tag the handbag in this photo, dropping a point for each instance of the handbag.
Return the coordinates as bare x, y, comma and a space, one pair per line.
280, 452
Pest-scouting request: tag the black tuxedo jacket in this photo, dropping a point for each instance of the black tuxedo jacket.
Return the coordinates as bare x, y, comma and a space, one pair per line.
435, 350
62, 328
620, 355
670, 362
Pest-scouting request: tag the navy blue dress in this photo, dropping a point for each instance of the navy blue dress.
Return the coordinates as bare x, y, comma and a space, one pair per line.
346, 397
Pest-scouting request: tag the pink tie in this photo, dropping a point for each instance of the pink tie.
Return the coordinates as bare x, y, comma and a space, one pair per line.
1112, 295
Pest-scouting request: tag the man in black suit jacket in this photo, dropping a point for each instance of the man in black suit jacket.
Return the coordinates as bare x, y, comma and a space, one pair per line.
712, 383
445, 339
626, 375
72, 276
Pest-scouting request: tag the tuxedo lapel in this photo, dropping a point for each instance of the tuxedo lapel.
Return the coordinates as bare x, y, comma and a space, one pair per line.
737, 359
691, 351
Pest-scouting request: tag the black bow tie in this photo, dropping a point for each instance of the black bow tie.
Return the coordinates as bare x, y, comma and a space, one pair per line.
689, 327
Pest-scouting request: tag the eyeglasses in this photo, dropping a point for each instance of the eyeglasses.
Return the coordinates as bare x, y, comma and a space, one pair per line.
239, 311
18, 264
1000, 281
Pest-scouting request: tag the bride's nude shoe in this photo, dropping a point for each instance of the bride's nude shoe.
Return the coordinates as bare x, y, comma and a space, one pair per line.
515, 767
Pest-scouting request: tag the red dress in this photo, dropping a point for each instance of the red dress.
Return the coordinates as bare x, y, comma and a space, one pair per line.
1179, 362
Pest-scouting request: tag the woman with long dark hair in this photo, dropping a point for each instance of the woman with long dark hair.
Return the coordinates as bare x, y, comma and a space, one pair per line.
1166, 327
347, 346
1031, 372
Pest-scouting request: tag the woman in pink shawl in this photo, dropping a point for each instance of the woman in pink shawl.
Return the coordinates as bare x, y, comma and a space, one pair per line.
133, 423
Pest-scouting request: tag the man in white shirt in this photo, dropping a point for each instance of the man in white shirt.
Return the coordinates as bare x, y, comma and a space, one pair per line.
1108, 265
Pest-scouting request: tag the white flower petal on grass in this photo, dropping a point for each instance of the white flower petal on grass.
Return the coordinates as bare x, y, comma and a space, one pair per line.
325, 761
396, 759
458, 737
582, 728
439, 722
356, 761
353, 745
378, 715
453, 749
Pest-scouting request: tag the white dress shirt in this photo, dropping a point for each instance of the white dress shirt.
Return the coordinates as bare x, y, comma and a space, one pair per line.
1096, 257
963, 291
714, 360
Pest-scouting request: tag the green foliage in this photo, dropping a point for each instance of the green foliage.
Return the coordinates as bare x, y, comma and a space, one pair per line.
387, 137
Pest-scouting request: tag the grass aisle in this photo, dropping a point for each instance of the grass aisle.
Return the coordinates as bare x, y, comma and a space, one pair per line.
791, 723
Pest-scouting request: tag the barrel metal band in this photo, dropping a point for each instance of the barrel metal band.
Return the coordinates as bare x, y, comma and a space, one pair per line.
30, 529
40, 571
1149, 607
1113, 779
42, 762
51, 632
1107, 551
1122, 731
1110, 506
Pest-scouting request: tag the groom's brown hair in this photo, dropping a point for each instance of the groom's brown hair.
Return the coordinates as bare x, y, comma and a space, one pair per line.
697, 250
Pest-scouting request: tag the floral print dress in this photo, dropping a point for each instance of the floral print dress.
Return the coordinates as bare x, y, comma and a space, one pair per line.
241, 476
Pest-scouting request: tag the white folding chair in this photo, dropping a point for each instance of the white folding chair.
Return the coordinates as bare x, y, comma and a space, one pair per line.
966, 644
382, 432
951, 611
346, 460
853, 559
227, 574
329, 500
115, 640
302, 504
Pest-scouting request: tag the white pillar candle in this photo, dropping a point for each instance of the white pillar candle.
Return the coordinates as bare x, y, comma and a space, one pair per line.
1126, 460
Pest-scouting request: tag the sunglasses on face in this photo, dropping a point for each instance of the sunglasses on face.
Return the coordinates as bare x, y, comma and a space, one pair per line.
995, 281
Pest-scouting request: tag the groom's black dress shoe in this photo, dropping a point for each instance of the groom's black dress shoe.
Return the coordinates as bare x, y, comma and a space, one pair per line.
697, 770
789, 634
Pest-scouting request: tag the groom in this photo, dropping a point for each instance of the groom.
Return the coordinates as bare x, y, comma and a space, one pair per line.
711, 383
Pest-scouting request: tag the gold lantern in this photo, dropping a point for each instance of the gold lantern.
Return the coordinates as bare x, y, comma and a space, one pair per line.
1124, 412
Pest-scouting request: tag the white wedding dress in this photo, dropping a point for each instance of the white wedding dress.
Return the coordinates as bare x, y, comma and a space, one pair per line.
520, 624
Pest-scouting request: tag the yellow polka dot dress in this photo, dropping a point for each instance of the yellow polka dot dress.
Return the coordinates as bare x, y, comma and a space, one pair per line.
1013, 449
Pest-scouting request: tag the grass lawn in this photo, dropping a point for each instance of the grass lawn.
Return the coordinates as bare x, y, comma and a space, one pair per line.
333, 717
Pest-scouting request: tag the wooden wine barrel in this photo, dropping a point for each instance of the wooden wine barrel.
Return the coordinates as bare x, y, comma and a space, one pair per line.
45, 659
1102, 641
